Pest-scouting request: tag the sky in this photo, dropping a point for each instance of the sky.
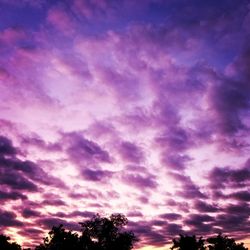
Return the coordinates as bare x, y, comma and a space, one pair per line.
133, 107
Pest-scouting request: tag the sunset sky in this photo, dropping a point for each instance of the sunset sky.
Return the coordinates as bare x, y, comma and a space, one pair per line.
125, 106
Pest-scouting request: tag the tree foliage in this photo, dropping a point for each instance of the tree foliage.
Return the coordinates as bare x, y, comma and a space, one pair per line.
61, 239
109, 233
99, 233
221, 242
218, 242
6, 245
186, 242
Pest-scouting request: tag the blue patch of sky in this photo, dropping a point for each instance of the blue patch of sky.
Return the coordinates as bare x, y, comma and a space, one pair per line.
25, 16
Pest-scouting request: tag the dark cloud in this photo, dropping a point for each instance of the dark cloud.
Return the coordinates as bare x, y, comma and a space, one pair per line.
130, 152
96, 174
241, 196
177, 139
8, 219
83, 214
189, 190
170, 216
49, 222
140, 181
11, 195
230, 100
198, 218
227, 177
173, 229
34, 234
241, 208
204, 207
53, 202
175, 161
155, 232
28, 213
17, 181
38, 142
6, 147
22, 174
147, 233
80, 149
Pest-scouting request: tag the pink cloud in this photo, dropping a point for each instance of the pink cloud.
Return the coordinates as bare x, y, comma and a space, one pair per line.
61, 20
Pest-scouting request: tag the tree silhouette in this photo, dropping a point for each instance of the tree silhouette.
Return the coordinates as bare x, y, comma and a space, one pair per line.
107, 233
221, 242
6, 245
188, 243
99, 233
60, 239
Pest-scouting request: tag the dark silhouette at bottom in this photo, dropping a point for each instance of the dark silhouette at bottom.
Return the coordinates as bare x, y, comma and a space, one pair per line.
101, 233
218, 242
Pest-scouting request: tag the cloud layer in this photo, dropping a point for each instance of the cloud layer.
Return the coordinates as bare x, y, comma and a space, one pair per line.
133, 107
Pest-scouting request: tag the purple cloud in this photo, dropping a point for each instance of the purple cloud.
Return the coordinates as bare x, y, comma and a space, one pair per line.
7, 195
136, 105
131, 152
6, 147
27, 213
204, 207
8, 219
95, 174
81, 149
140, 181
170, 216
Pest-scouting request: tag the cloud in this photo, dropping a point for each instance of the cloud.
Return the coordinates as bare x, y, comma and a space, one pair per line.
204, 207
140, 180
233, 220
230, 100
11, 195
12, 36
96, 175
29, 213
188, 190
17, 181
59, 18
18, 176
175, 161
81, 149
148, 235
38, 142
226, 177
8, 219
241, 196
6, 147
49, 222
141, 106
170, 216
130, 152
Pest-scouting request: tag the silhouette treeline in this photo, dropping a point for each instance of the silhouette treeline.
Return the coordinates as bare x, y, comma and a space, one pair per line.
219, 242
101, 233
